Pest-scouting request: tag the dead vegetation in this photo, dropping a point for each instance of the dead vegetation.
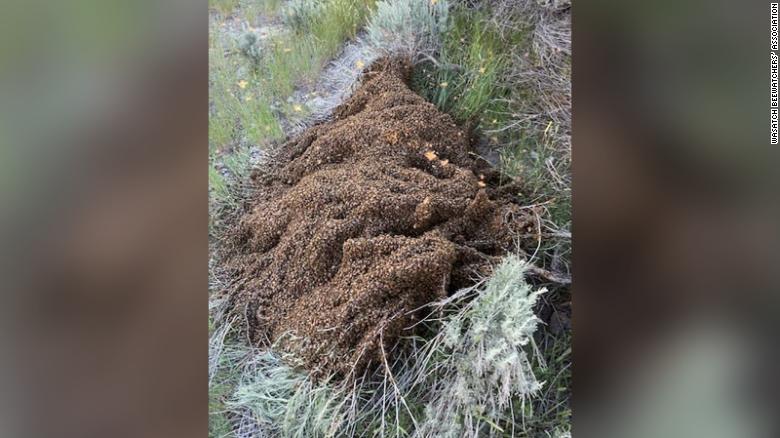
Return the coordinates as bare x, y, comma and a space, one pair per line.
511, 69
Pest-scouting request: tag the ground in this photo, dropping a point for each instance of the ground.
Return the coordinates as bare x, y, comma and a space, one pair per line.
501, 71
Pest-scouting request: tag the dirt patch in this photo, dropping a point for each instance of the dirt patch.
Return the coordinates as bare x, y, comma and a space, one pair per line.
368, 217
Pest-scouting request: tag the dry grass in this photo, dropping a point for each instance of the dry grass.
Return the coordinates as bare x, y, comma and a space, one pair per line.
427, 386
504, 68
461, 382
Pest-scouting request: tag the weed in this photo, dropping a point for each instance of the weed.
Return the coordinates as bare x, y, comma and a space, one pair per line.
339, 21
241, 120
221, 118
252, 9
224, 7
463, 381
296, 57
482, 356
504, 69
218, 189
289, 61
549, 414
539, 103
225, 371
299, 15
410, 27
285, 401
249, 46
464, 81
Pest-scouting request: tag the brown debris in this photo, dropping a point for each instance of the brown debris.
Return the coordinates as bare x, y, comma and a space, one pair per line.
363, 223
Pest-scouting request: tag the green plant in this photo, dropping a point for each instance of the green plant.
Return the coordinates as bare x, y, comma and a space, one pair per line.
411, 27
338, 21
247, 93
225, 371
224, 7
293, 58
482, 356
300, 14
549, 413
462, 381
503, 69
249, 47
221, 119
218, 189
252, 9
488, 60
464, 81
241, 118
286, 402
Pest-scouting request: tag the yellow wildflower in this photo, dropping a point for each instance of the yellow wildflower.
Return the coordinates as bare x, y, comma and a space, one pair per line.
242, 84
360, 64
297, 108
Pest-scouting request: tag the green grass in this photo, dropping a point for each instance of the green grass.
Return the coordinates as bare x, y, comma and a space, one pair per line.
241, 107
476, 81
219, 426
473, 58
535, 160
290, 61
472, 81
240, 116
224, 7
247, 97
222, 115
286, 401
550, 411
251, 9
248, 94
298, 56
217, 184
339, 21
460, 381
222, 384
299, 15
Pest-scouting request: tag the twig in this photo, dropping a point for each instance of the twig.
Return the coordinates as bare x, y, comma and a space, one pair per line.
392, 379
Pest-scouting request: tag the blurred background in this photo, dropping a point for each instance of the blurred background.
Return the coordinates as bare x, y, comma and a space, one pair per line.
675, 220
103, 133
103, 152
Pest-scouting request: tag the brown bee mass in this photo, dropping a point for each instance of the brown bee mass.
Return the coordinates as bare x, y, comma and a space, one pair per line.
367, 218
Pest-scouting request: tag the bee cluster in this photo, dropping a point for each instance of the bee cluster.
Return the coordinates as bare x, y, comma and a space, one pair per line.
369, 217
